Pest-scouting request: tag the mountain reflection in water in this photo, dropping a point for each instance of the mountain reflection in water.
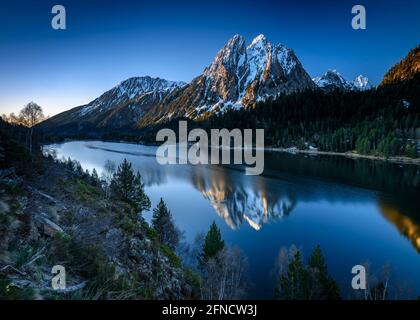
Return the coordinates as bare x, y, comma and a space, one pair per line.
406, 225
238, 201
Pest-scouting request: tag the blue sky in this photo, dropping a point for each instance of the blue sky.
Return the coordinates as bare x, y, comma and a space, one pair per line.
109, 41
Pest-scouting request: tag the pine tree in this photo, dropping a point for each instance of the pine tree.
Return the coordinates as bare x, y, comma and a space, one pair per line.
140, 199
311, 282
327, 287
294, 284
410, 150
95, 178
128, 187
163, 223
213, 244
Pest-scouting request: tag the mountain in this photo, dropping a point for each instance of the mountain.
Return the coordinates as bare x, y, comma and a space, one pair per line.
361, 83
120, 107
405, 69
333, 80
239, 76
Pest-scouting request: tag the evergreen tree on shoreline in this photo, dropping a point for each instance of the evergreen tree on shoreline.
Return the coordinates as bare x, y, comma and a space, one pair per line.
128, 187
310, 282
163, 223
213, 244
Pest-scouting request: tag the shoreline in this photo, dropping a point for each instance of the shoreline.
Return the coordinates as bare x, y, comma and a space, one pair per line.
348, 154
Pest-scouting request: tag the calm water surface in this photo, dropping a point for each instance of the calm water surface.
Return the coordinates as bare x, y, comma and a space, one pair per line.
357, 210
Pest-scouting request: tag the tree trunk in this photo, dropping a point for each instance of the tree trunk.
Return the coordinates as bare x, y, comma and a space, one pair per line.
31, 130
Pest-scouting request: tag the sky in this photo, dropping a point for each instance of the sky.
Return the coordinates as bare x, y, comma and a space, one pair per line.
107, 42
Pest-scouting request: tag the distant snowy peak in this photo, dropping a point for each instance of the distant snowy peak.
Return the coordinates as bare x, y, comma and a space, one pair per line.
333, 80
132, 88
361, 83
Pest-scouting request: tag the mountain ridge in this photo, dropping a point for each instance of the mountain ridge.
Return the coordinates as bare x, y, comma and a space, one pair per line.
239, 76
119, 107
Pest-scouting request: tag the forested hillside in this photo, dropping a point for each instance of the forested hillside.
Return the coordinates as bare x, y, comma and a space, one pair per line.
384, 121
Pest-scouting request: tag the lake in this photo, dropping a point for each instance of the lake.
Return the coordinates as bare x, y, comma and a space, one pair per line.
357, 210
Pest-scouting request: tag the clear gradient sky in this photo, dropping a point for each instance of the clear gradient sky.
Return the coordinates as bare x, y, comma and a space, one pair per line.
109, 41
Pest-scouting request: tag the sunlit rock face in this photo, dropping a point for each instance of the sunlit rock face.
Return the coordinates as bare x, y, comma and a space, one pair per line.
406, 69
239, 203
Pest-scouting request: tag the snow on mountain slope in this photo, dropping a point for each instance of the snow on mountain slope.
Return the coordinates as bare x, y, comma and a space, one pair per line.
132, 88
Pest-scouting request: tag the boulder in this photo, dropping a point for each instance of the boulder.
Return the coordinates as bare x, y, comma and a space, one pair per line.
46, 226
